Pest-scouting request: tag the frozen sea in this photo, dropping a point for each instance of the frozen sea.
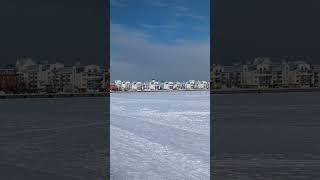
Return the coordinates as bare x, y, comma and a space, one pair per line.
53, 138
160, 135
266, 136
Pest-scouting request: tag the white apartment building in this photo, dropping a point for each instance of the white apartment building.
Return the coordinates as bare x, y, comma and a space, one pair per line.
300, 75
125, 86
67, 77
145, 86
49, 77
88, 78
136, 86
31, 75
177, 85
154, 85
105, 79
118, 84
316, 75
45, 77
167, 86
262, 73
190, 84
201, 85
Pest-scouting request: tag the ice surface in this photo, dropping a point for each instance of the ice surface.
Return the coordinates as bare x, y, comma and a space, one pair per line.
160, 135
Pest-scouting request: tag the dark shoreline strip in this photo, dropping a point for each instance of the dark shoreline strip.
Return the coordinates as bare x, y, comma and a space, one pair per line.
216, 91
261, 91
156, 91
24, 96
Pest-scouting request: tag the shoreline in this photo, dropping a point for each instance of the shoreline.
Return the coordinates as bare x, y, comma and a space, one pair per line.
157, 91
262, 91
74, 95
51, 95
215, 91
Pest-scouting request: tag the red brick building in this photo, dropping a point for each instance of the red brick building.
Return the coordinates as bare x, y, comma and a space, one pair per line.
113, 87
8, 80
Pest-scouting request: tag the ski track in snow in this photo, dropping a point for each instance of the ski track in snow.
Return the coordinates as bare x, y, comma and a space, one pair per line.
161, 135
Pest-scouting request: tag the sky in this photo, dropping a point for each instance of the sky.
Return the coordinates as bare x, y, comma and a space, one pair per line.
53, 30
163, 39
248, 28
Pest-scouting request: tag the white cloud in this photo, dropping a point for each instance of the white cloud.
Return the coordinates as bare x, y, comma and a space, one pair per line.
193, 16
182, 8
178, 9
161, 26
135, 56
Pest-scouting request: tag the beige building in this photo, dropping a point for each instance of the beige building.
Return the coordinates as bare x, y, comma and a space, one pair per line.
262, 73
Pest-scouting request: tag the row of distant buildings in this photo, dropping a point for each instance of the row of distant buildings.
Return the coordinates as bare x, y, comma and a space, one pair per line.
26, 76
263, 73
155, 85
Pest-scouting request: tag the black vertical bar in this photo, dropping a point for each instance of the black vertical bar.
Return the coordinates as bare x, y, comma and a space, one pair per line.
211, 83
107, 67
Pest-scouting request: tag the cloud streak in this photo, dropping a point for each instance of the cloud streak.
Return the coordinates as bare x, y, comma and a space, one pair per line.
160, 26
178, 9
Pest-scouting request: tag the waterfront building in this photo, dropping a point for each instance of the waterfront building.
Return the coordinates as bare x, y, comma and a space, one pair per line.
43, 77
113, 87
300, 74
106, 79
53, 78
315, 75
49, 77
89, 78
177, 86
136, 86
8, 80
190, 84
167, 86
201, 85
32, 78
145, 86
154, 85
67, 77
125, 86
118, 84
217, 76
262, 73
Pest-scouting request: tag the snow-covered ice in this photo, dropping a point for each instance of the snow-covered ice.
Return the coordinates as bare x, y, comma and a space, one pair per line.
160, 135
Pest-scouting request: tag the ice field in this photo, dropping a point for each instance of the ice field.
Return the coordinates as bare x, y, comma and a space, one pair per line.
160, 135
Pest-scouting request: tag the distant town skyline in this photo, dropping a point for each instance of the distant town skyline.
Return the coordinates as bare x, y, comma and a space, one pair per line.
155, 85
28, 76
160, 39
263, 73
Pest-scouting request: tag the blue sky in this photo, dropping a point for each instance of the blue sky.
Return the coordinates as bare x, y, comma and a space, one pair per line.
166, 39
